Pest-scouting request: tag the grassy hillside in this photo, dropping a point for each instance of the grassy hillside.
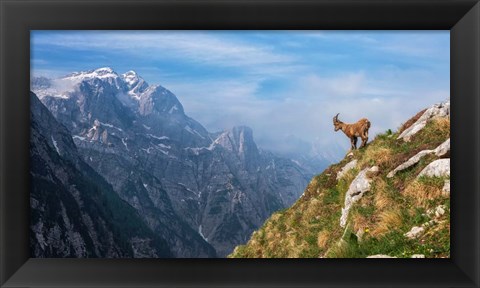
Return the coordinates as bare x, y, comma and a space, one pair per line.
378, 221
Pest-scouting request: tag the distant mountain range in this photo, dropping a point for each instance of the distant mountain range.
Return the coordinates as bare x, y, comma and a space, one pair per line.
120, 145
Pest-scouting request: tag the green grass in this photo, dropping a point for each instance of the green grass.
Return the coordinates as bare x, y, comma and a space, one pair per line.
385, 213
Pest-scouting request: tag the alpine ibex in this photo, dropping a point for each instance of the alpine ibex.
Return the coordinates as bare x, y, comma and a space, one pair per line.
353, 131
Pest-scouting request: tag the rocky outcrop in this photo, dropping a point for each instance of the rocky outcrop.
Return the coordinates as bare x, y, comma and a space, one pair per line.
436, 111
437, 212
358, 187
438, 168
415, 232
441, 150
349, 166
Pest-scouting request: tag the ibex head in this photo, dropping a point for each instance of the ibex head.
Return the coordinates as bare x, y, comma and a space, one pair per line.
336, 123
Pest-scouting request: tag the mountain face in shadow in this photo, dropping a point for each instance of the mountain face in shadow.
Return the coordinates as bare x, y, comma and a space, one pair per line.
74, 211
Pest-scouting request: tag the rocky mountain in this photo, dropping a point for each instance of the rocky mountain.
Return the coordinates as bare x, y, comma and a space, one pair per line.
390, 199
203, 192
74, 211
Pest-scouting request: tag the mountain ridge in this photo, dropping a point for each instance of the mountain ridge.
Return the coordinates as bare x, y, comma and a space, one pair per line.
218, 186
390, 199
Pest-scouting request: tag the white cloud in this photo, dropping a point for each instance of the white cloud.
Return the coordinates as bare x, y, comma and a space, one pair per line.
202, 48
350, 84
307, 110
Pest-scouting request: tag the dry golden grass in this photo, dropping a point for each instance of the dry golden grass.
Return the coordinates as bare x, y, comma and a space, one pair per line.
360, 222
381, 198
311, 211
442, 125
387, 221
339, 250
322, 239
420, 194
275, 217
374, 155
310, 228
270, 235
435, 229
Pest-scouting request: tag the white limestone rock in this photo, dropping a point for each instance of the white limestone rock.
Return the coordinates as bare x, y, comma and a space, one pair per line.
380, 256
415, 232
358, 187
441, 150
436, 111
429, 223
349, 166
437, 212
438, 168
410, 162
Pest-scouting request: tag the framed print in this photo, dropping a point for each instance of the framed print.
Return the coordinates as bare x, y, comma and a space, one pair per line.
134, 133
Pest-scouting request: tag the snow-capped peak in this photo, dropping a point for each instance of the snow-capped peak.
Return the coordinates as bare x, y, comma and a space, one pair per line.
135, 83
131, 72
105, 70
61, 87
131, 78
101, 73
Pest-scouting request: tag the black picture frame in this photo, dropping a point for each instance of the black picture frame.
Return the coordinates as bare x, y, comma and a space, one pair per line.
18, 17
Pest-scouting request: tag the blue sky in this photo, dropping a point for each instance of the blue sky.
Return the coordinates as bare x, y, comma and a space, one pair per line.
280, 83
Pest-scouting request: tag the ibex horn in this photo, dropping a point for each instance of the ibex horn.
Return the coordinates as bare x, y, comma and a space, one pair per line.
336, 116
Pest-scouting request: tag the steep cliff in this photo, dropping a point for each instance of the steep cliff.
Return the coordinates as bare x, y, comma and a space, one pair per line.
74, 211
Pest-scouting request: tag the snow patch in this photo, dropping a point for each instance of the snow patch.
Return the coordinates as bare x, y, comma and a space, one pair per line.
125, 143
147, 150
134, 95
111, 126
192, 131
158, 137
164, 146
164, 152
201, 234
101, 73
173, 109
55, 145
296, 162
196, 150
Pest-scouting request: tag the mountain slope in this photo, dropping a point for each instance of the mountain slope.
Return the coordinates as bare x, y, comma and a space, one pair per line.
75, 213
203, 192
389, 199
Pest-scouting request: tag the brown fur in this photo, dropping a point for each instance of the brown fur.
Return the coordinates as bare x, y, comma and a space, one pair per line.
353, 131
